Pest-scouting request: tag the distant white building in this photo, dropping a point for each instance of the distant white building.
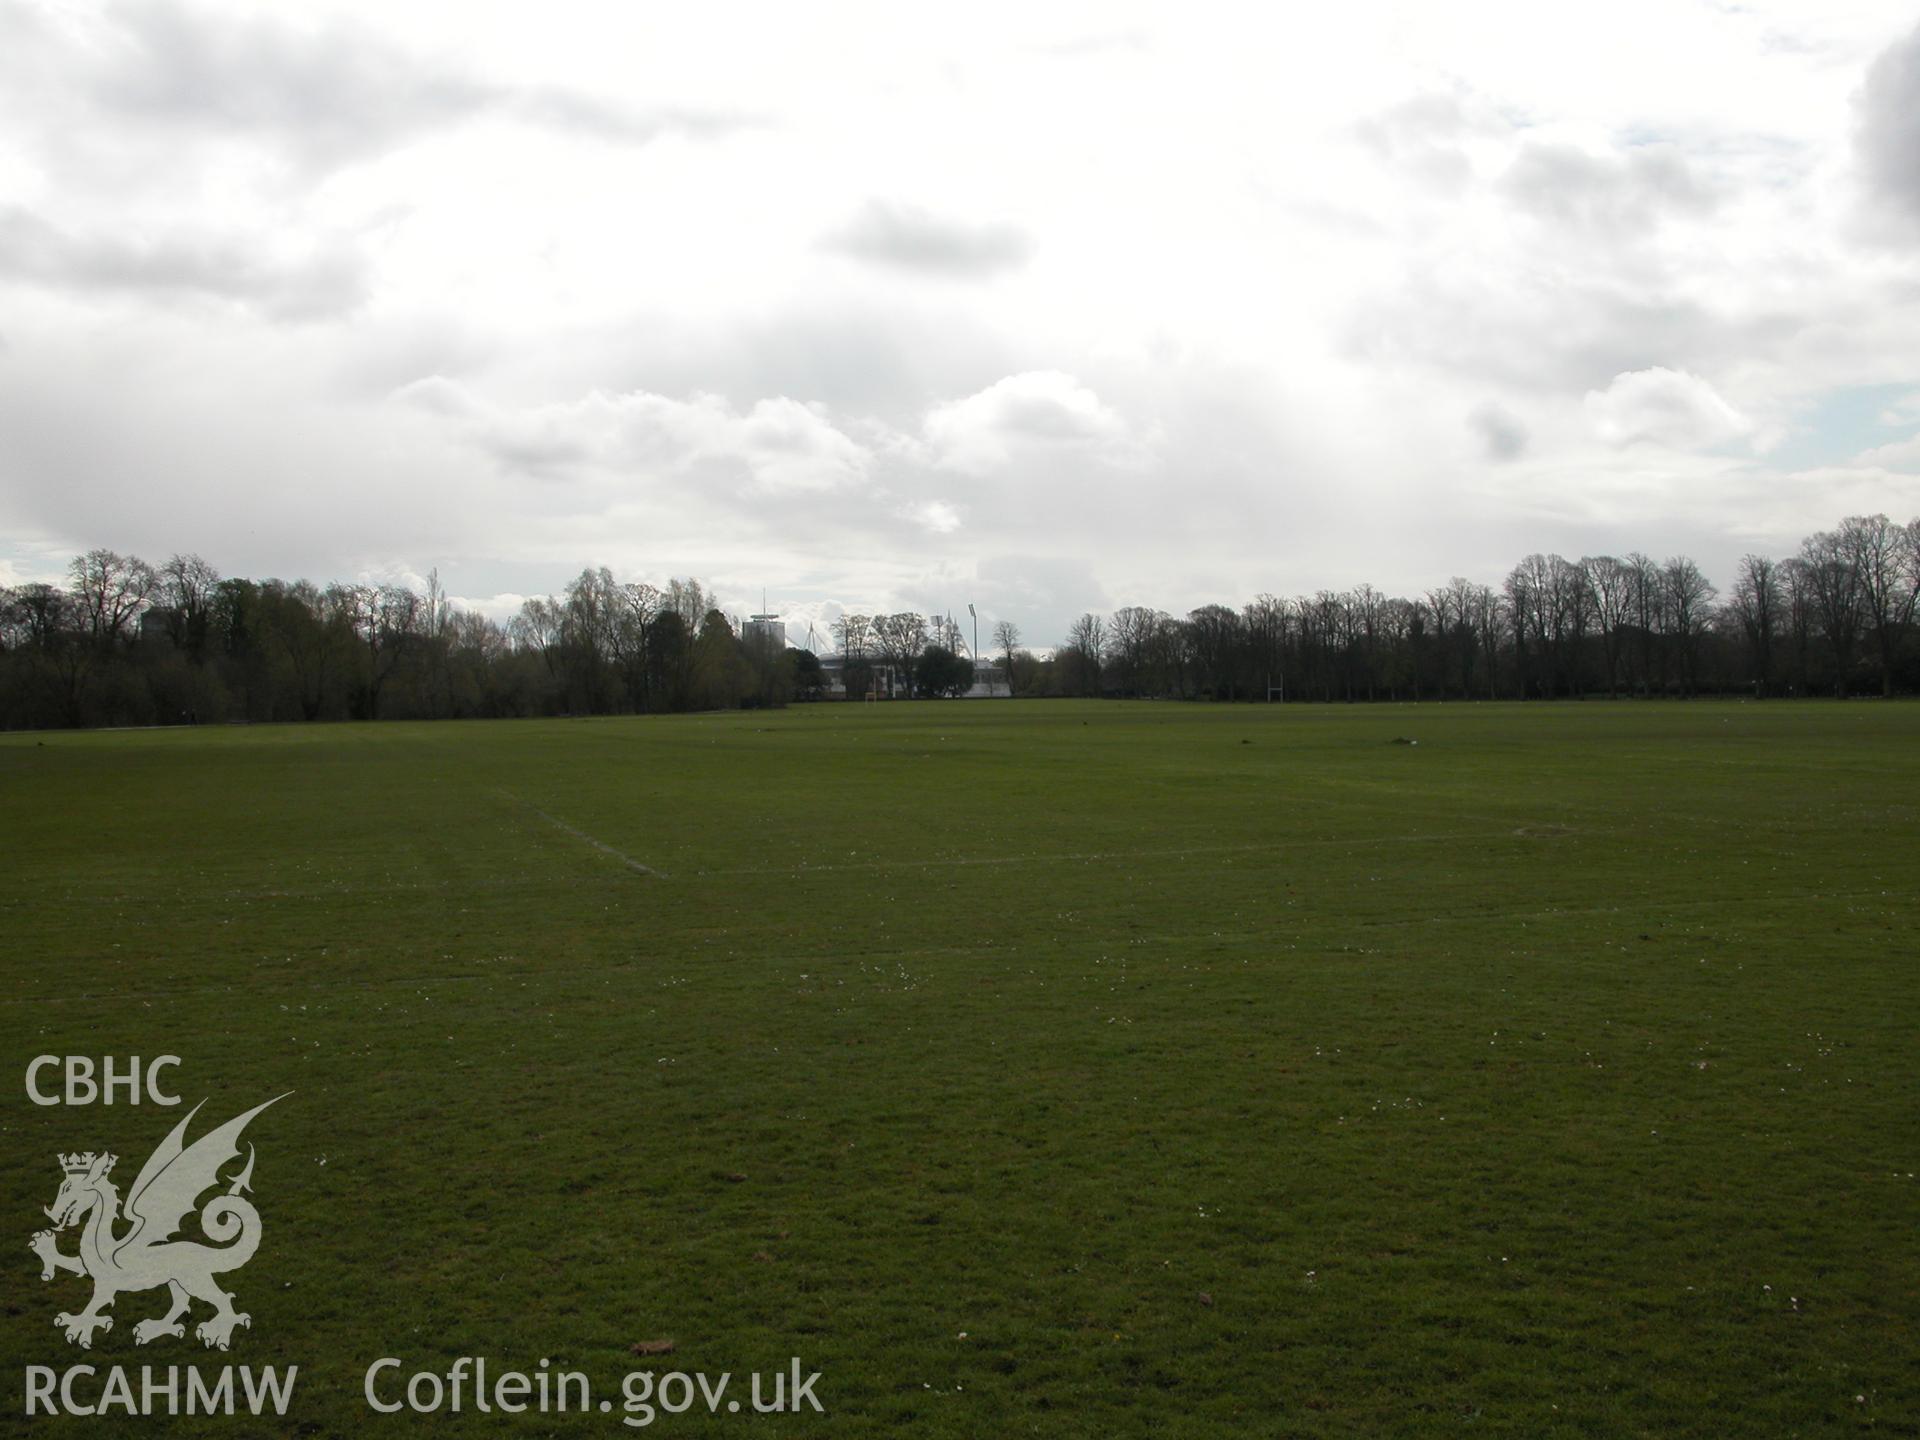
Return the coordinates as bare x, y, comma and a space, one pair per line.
882, 682
765, 632
989, 682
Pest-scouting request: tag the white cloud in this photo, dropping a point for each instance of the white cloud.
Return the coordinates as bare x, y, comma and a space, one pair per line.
1901, 455
1039, 410
777, 444
938, 516
1664, 407
501, 607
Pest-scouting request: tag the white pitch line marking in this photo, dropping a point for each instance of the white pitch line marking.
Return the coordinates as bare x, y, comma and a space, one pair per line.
1088, 855
581, 835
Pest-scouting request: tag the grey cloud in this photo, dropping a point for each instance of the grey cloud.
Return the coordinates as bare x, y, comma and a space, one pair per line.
1610, 195
547, 457
322, 95
328, 283
1423, 137
1039, 593
911, 238
1413, 121
1560, 328
585, 115
856, 357
1888, 137
382, 354
1046, 419
437, 395
266, 481
329, 94
1502, 436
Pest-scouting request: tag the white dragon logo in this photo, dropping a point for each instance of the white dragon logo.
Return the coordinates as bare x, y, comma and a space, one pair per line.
146, 1255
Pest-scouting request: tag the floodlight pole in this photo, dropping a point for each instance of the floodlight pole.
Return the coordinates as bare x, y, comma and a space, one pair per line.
976, 637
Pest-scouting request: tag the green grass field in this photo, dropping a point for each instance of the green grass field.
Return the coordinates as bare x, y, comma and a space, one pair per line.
1051, 1069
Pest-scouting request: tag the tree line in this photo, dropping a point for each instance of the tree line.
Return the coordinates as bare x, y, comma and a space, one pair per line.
128, 643
1835, 618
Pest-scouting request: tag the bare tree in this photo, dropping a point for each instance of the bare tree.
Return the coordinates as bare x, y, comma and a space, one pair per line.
386, 619
186, 590
1797, 609
312, 628
1086, 641
436, 610
1611, 585
1326, 614
1214, 636
1128, 640
1878, 552
57, 653
690, 601
1402, 634
1647, 602
1756, 604
1006, 638
899, 639
1689, 597
35, 617
1456, 606
590, 616
1484, 608
1838, 604
1529, 597
111, 590
637, 606
1911, 532
538, 626
853, 632
1442, 635
1364, 606
1573, 619
1265, 621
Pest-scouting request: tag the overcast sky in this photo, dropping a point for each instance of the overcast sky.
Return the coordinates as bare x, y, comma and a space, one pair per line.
1043, 307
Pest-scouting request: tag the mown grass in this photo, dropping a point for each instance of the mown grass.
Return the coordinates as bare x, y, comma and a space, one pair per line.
1093, 1070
